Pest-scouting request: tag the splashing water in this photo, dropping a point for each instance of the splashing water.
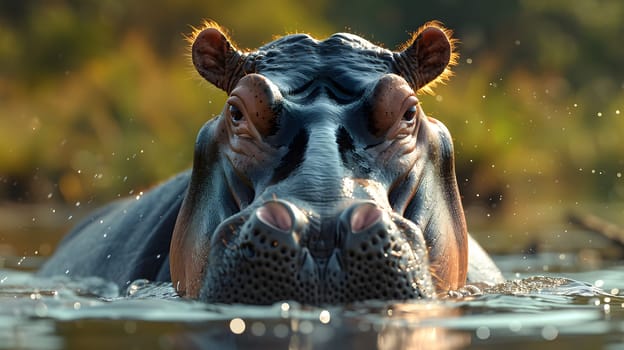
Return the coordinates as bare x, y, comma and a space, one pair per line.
38, 313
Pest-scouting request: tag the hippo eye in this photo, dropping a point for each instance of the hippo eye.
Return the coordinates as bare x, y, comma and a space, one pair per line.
235, 113
410, 114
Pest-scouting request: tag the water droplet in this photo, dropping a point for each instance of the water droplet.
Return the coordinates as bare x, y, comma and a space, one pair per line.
237, 326
130, 327
50, 195
306, 327
549, 332
364, 326
515, 326
285, 307
41, 309
483, 332
324, 317
617, 111
599, 114
77, 204
77, 305
280, 331
258, 329
135, 286
469, 60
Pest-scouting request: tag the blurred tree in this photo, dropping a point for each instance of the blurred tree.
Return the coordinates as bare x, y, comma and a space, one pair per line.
98, 99
99, 96
537, 101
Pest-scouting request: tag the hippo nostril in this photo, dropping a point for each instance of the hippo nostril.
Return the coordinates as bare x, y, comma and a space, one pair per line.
364, 216
276, 214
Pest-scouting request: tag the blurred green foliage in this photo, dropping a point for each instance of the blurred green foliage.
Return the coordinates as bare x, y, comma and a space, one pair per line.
98, 98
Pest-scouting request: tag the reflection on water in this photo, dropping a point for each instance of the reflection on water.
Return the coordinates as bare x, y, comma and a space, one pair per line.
91, 313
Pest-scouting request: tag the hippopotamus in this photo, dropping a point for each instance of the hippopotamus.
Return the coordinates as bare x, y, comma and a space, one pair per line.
322, 181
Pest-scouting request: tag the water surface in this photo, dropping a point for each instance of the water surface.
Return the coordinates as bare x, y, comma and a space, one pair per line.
571, 307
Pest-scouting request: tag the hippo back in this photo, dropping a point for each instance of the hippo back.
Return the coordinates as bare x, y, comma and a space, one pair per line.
125, 240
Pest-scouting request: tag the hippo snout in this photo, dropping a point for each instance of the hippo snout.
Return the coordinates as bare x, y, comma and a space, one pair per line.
274, 255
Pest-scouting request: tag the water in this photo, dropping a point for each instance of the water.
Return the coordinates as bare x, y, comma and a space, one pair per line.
568, 308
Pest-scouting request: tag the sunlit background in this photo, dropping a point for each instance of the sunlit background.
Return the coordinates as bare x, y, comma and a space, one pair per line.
98, 100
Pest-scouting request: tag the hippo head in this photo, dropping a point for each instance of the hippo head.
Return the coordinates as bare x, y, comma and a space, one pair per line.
322, 180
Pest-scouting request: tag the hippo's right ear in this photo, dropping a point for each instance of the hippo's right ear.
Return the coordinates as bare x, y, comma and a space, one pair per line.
217, 59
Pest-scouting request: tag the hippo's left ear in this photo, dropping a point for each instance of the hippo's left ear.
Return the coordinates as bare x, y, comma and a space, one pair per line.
217, 59
428, 59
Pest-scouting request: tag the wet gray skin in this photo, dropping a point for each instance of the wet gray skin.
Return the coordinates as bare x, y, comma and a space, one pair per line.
322, 181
